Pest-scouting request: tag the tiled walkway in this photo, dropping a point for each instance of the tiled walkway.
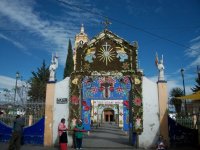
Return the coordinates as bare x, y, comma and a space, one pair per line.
107, 136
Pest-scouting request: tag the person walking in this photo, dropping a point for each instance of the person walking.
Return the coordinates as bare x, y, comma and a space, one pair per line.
79, 129
62, 132
72, 126
15, 141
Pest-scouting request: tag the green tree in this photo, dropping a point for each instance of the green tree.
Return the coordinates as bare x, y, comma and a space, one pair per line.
69, 65
197, 86
176, 92
37, 91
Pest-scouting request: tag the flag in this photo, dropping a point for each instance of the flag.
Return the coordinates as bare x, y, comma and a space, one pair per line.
156, 61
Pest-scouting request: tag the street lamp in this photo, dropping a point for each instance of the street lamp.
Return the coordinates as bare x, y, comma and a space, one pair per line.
17, 77
182, 74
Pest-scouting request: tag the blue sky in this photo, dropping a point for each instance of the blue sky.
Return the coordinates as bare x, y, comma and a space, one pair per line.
30, 30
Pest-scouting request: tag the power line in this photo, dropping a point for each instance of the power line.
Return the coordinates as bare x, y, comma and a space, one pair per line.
95, 27
66, 30
128, 25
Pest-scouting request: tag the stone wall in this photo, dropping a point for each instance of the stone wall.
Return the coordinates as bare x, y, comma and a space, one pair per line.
61, 108
150, 114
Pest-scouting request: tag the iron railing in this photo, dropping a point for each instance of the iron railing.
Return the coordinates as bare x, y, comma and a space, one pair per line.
32, 112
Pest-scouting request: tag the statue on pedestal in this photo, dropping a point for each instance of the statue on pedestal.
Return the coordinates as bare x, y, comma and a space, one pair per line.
160, 67
52, 68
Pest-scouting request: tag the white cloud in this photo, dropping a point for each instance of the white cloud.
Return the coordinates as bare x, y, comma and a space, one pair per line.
53, 32
196, 62
172, 83
22, 13
15, 43
195, 39
194, 52
7, 82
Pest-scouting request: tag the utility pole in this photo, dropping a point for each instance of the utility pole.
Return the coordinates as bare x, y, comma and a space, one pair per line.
182, 74
17, 77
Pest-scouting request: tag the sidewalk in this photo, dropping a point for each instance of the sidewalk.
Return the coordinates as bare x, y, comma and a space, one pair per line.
107, 136
4, 146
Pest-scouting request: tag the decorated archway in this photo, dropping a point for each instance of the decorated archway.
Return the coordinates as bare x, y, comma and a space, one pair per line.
107, 69
100, 92
99, 107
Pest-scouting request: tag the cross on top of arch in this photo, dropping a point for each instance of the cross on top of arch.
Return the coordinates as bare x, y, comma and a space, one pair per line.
106, 23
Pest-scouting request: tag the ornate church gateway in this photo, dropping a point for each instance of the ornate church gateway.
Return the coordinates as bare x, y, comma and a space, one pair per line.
103, 94
106, 84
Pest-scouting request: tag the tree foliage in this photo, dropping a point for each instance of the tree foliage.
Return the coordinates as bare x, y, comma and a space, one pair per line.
197, 86
69, 65
176, 92
37, 91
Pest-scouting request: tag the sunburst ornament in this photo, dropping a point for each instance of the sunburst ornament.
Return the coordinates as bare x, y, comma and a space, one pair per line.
125, 66
106, 53
86, 66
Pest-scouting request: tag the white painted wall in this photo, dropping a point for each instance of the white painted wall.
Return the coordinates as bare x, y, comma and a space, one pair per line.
60, 110
150, 114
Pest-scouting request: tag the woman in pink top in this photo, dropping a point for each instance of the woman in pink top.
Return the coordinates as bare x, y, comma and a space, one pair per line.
62, 132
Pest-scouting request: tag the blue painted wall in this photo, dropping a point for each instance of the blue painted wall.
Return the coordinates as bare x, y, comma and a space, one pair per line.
92, 90
31, 135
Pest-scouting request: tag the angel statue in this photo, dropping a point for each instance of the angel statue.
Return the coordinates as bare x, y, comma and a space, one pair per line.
160, 67
52, 68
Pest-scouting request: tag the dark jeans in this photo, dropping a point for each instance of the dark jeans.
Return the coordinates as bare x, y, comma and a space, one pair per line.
73, 140
78, 143
15, 141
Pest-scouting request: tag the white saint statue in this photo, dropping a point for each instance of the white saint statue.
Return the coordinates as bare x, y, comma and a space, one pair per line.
52, 68
161, 68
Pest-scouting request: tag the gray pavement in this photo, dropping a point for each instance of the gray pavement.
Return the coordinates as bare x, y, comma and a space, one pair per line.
4, 146
107, 136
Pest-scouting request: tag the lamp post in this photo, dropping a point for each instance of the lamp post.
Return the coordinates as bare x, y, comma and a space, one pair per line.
17, 77
182, 74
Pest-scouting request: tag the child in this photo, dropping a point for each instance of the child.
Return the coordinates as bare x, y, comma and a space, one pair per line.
79, 129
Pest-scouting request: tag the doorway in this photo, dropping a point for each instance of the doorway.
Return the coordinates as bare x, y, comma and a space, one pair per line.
108, 115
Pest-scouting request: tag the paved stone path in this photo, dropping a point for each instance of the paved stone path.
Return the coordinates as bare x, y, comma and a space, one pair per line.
107, 136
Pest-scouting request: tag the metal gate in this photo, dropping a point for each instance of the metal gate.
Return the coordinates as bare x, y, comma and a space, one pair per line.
31, 135
33, 113
180, 135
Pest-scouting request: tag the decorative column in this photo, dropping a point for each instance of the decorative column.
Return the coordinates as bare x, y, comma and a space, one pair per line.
163, 115
162, 99
121, 115
48, 131
96, 112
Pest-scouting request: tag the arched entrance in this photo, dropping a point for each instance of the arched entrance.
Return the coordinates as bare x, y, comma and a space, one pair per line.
106, 68
108, 115
106, 111
105, 99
